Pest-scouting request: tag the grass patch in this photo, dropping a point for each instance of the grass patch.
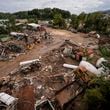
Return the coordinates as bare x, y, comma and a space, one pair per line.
105, 51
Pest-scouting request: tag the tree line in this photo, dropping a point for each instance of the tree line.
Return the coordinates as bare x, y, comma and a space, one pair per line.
42, 14
96, 21
83, 22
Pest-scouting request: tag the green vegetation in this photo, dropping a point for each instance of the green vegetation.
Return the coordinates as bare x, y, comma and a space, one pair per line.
97, 96
32, 20
42, 14
84, 22
59, 21
4, 37
105, 51
92, 21
74, 21
7, 23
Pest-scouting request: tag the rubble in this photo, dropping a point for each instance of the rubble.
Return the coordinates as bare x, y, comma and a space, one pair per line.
14, 48
44, 104
99, 61
26, 100
21, 42
18, 35
7, 102
33, 26
56, 78
27, 67
104, 40
72, 30
28, 62
98, 36
92, 33
68, 93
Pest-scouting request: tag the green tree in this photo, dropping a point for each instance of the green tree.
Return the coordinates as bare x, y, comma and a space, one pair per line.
59, 21
74, 21
65, 14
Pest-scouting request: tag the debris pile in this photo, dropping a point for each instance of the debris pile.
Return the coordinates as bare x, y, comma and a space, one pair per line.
7, 102
10, 50
54, 80
22, 42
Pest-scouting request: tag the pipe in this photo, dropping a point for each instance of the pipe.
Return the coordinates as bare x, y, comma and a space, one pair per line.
28, 62
70, 66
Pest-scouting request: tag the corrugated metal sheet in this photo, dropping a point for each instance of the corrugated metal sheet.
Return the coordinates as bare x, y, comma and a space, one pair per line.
7, 99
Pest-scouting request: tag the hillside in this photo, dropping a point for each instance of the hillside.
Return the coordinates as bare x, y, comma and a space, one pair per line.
106, 12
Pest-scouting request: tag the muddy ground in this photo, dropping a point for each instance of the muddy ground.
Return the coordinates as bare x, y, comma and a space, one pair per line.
41, 49
51, 77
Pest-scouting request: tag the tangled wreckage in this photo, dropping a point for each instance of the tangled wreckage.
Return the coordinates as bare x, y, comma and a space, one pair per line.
20, 43
53, 81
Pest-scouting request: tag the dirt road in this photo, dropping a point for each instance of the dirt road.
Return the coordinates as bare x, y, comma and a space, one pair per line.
41, 49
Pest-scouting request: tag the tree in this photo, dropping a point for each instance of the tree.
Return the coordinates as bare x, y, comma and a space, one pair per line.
65, 14
59, 21
74, 21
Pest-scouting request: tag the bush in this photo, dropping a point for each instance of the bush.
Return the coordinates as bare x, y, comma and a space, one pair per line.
97, 96
94, 99
105, 52
59, 21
